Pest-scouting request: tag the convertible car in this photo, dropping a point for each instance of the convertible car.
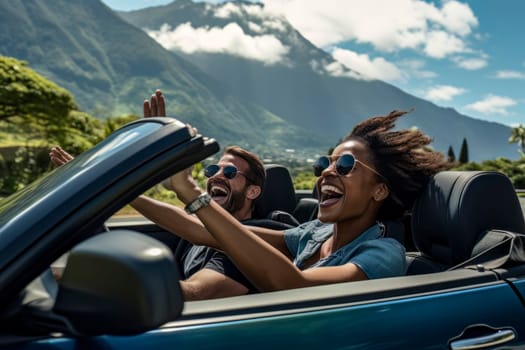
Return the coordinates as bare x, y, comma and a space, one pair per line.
464, 288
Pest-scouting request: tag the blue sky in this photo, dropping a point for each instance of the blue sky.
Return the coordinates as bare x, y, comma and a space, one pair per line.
468, 55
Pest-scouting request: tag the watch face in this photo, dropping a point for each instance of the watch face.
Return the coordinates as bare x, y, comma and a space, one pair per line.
201, 201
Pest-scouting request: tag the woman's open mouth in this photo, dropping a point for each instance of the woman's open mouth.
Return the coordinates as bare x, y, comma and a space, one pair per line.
330, 195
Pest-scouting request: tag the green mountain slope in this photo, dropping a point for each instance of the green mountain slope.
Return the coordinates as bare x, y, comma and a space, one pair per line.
300, 90
110, 66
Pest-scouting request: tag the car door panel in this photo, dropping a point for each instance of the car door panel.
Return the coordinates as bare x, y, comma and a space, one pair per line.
422, 320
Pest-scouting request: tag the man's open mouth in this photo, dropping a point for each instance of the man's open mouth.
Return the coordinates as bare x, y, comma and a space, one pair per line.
219, 193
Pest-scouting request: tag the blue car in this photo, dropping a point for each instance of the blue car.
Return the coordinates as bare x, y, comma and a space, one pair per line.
464, 288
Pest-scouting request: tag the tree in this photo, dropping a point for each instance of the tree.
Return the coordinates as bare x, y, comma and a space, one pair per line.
81, 132
463, 153
36, 113
112, 124
518, 136
27, 96
451, 154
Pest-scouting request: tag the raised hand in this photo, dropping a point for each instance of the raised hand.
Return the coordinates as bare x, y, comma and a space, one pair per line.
155, 106
184, 185
58, 156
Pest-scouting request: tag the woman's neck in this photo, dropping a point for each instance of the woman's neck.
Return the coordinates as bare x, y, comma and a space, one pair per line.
348, 230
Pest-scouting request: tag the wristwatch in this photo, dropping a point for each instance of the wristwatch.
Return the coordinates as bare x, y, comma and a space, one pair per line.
203, 200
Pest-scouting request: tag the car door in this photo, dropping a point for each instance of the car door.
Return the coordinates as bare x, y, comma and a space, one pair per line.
463, 309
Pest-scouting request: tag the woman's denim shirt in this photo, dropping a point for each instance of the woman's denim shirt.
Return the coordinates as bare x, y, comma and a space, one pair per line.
375, 255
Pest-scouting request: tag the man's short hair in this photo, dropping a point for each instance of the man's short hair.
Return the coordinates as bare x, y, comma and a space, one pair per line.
256, 172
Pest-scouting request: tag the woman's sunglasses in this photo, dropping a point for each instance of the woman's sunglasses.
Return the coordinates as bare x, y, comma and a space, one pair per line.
229, 171
343, 165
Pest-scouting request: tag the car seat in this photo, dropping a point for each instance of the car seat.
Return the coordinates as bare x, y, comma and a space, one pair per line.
454, 212
307, 207
277, 200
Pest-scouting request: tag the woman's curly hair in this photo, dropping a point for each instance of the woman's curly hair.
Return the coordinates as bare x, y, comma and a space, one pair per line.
402, 157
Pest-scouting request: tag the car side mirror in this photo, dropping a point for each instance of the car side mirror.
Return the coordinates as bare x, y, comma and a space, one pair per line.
119, 283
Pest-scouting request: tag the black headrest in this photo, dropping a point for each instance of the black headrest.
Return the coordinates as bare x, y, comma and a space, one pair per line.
278, 192
457, 207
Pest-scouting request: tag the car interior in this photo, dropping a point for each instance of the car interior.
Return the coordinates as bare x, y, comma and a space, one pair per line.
451, 225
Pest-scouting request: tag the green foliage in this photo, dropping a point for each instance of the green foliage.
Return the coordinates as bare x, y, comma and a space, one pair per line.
160, 193
81, 133
36, 114
198, 174
304, 180
463, 153
515, 170
518, 136
26, 166
112, 124
31, 97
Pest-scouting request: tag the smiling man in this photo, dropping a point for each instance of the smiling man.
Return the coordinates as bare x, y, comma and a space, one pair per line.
237, 197
235, 182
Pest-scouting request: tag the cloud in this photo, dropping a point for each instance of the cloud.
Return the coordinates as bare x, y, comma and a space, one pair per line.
510, 74
415, 68
470, 63
337, 69
492, 104
457, 18
230, 39
376, 68
386, 25
254, 27
230, 9
440, 44
254, 11
444, 92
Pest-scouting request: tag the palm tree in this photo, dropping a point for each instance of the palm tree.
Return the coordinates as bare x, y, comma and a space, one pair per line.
518, 136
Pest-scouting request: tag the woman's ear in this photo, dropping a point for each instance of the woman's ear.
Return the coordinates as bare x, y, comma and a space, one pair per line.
253, 192
381, 192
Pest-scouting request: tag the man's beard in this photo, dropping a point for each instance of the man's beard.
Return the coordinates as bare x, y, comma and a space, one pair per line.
235, 201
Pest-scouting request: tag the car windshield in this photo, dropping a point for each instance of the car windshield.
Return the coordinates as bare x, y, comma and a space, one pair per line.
37, 191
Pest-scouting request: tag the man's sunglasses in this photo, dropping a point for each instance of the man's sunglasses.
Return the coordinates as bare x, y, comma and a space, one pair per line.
343, 165
229, 171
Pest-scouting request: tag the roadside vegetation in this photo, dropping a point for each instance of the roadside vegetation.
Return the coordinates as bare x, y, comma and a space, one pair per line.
36, 114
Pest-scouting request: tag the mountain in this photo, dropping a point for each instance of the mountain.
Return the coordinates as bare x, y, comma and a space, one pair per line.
110, 66
306, 86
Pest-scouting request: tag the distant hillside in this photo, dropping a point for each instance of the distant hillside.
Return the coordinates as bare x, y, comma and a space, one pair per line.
110, 66
301, 90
